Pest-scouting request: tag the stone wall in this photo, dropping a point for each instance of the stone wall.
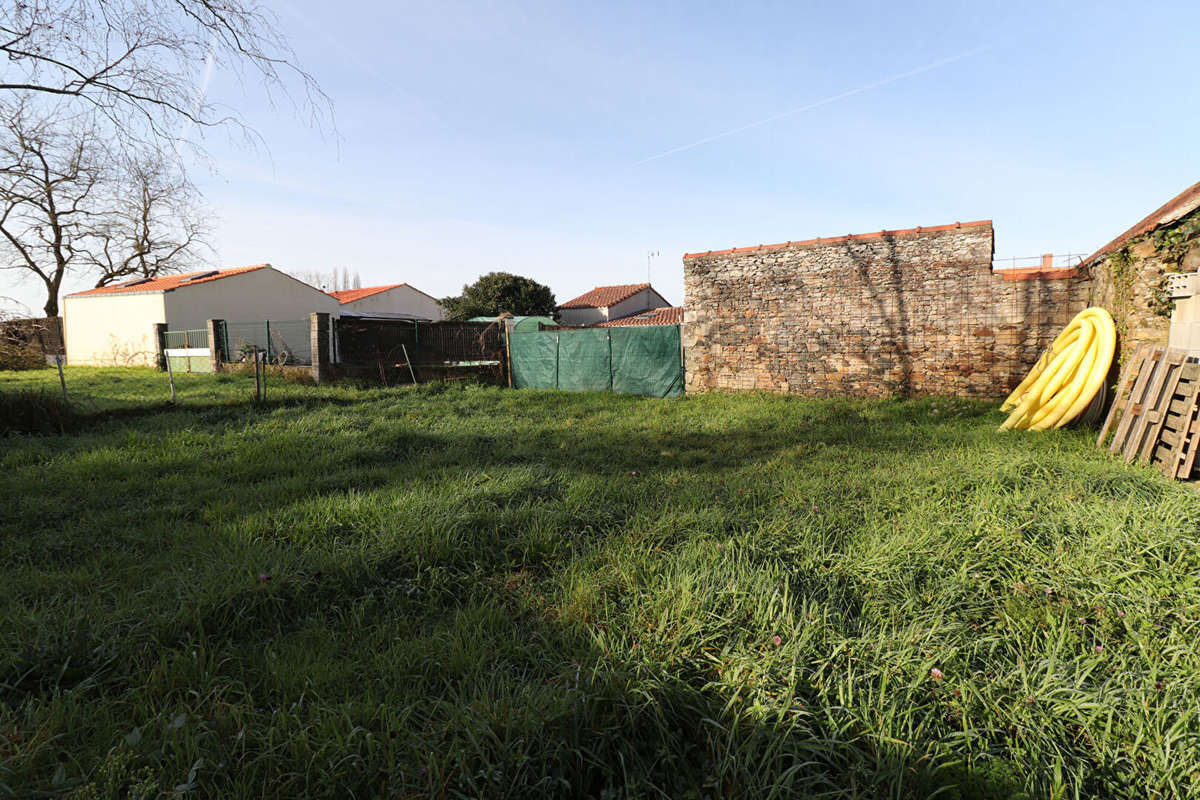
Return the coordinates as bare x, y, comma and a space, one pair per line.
908, 312
1131, 281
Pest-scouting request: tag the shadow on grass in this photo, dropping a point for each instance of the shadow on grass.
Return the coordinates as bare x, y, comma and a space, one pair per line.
490, 691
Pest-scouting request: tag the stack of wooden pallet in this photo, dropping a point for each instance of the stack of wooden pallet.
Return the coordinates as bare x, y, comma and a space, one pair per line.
1155, 411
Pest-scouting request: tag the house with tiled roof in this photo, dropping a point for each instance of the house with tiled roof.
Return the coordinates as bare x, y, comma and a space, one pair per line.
115, 325
397, 300
605, 303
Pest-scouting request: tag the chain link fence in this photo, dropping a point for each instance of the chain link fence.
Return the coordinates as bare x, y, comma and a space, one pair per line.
285, 342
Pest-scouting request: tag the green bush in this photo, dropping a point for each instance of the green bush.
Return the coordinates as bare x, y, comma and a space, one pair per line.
34, 412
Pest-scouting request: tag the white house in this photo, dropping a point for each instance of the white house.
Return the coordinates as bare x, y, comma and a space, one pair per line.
114, 325
606, 303
394, 300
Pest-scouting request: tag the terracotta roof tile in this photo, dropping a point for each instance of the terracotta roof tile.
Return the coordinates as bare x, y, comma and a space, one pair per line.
671, 315
350, 295
1178, 206
836, 239
167, 283
603, 296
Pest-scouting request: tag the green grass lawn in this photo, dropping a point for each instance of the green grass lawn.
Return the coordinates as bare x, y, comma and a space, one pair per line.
478, 592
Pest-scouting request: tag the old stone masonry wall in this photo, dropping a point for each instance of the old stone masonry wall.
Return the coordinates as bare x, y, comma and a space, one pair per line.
908, 312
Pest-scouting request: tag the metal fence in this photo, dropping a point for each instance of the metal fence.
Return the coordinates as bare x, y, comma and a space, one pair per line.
370, 341
185, 339
1046, 261
353, 341
283, 341
458, 342
388, 341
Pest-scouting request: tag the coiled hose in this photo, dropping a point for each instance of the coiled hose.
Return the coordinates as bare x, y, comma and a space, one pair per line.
1067, 376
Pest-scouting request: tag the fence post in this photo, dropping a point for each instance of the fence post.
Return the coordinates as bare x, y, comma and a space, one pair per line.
160, 343
216, 350
507, 354
608, 336
319, 343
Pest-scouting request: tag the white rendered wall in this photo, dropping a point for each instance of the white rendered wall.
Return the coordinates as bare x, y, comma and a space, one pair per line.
582, 316
112, 330
644, 300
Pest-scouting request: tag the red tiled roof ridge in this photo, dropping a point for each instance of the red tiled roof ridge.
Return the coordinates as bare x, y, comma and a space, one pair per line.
846, 238
1038, 273
1178, 206
350, 295
665, 315
602, 296
167, 283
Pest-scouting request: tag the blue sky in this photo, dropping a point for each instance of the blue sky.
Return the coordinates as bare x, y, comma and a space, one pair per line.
478, 136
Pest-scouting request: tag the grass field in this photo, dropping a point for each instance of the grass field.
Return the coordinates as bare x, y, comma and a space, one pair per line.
476, 592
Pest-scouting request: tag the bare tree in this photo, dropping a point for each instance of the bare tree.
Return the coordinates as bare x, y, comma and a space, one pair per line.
336, 280
152, 225
51, 170
69, 205
141, 64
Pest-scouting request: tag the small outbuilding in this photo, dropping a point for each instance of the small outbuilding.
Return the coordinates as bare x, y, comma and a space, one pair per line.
394, 300
519, 324
114, 325
606, 303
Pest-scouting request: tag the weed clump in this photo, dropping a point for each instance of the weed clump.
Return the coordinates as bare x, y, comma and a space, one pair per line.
34, 412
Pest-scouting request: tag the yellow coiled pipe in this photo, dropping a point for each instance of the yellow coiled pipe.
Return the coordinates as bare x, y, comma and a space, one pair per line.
1067, 376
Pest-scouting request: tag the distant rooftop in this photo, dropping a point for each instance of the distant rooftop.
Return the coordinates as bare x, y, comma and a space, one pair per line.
603, 296
671, 315
350, 295
344, 296
167, 283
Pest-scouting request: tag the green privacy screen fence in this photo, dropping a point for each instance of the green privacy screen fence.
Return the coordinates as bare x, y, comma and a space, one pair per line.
643, 360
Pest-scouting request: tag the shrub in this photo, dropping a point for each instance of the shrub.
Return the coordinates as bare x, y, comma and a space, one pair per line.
34, 412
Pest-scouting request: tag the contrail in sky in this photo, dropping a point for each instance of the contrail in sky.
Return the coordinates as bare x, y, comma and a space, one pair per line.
210, 64
823, 102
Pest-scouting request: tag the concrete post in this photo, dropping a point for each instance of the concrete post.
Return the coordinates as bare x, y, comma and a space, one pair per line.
160, 344
216, 346
319, 341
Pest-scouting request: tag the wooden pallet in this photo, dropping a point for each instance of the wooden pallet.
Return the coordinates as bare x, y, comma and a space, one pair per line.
1155, 411
1131, 386
1177, 440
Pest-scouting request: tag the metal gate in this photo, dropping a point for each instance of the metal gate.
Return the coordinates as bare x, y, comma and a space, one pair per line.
187, 351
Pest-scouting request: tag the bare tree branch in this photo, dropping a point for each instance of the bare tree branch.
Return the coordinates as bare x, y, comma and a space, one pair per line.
72, 204
52, 167
140, 64
154, 226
